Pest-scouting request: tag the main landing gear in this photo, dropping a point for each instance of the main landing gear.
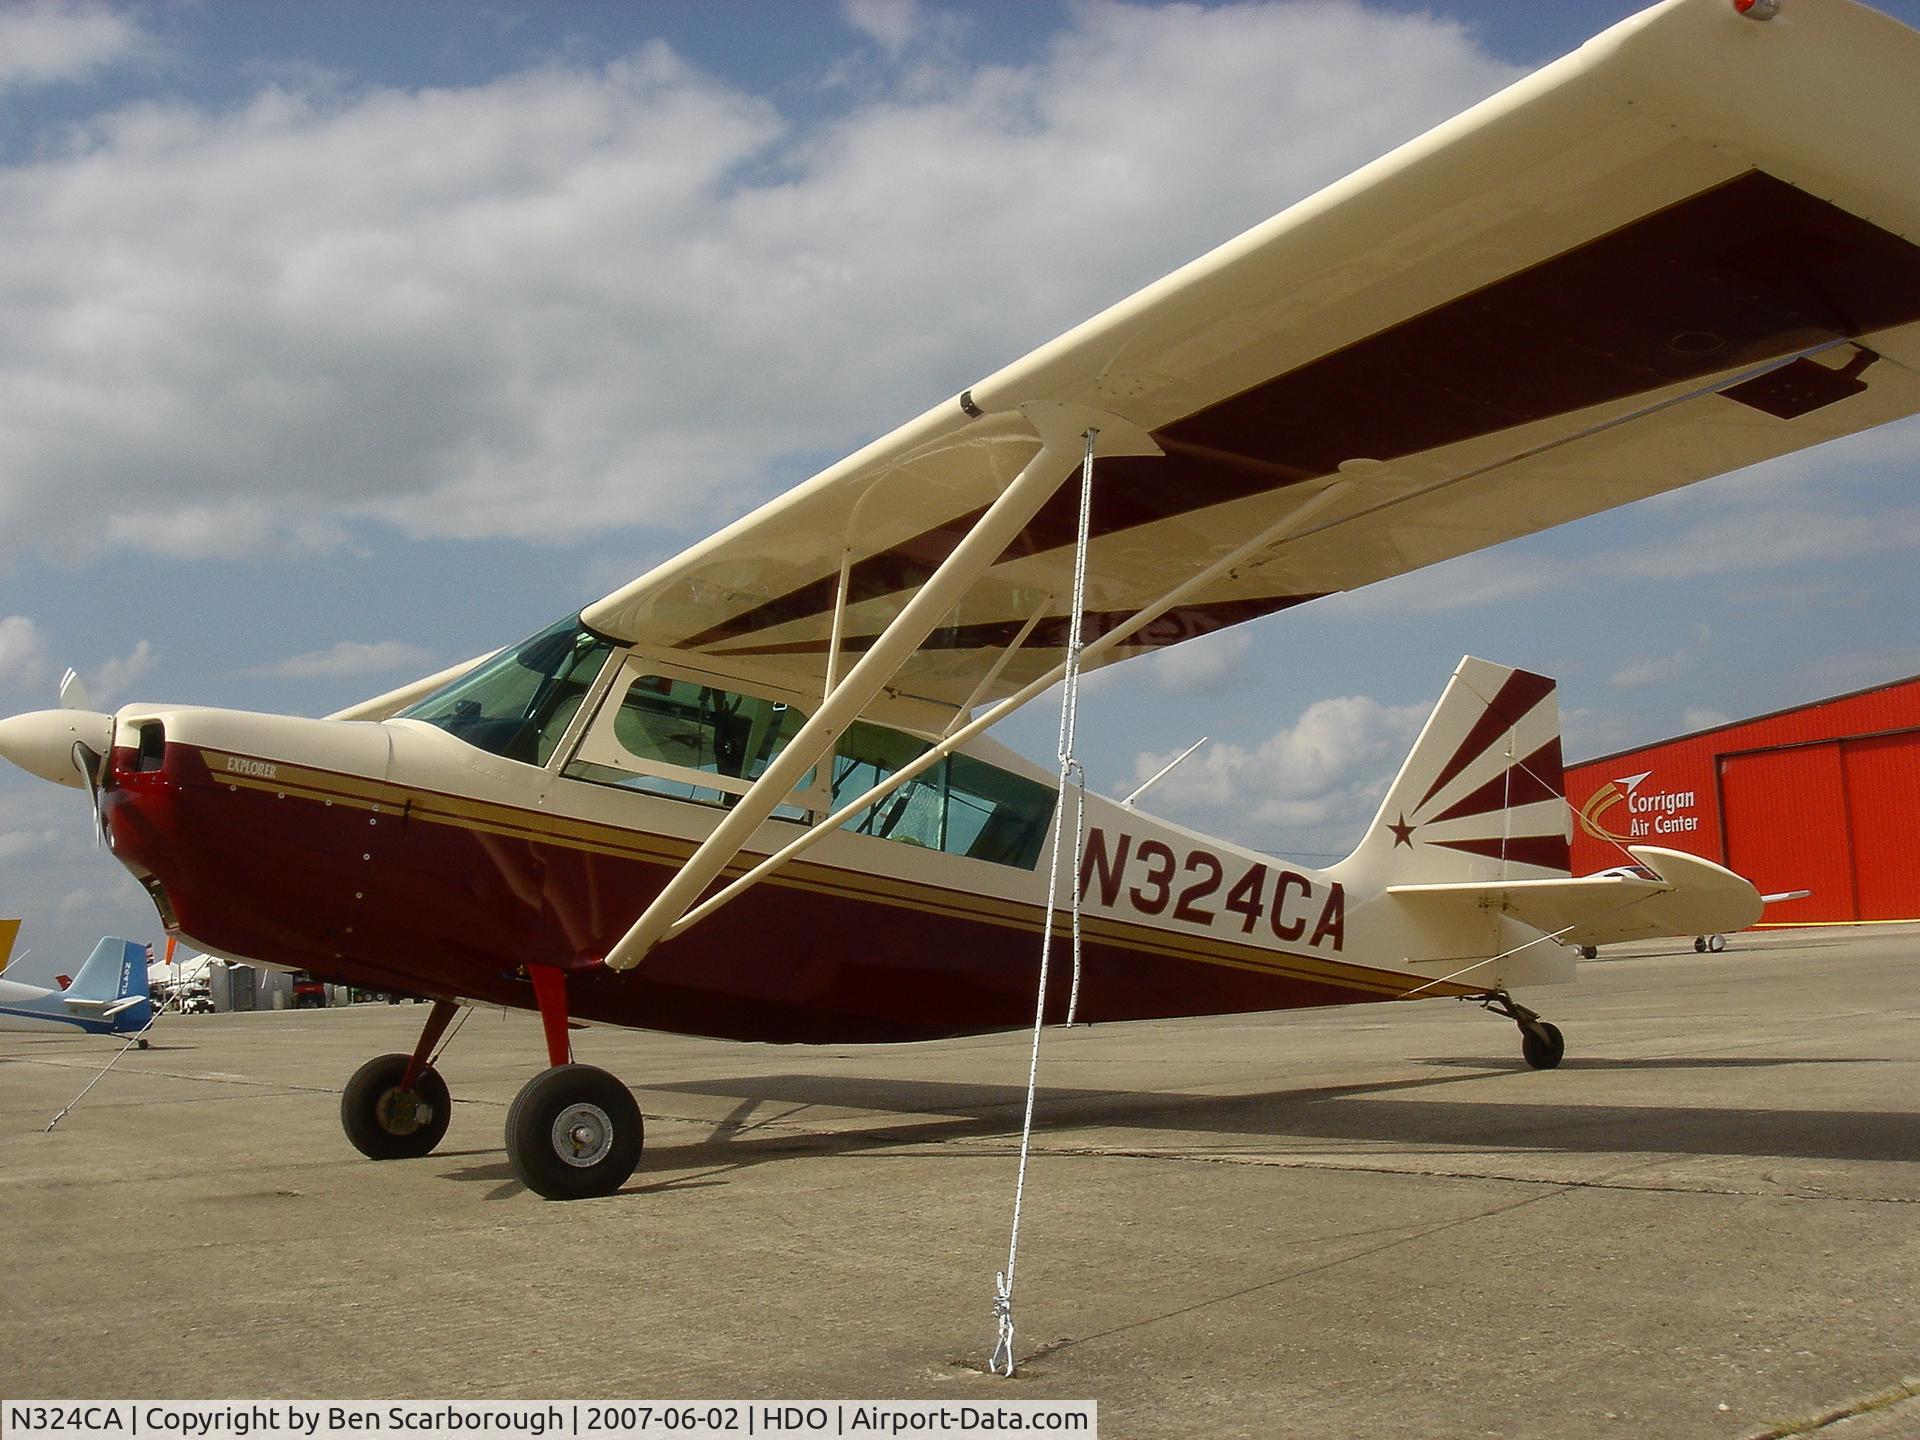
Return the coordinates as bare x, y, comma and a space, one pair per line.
573, 1131
396, 1107
1541, 1044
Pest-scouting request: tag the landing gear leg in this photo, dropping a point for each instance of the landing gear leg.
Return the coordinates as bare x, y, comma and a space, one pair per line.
397, 1106
1541, 1044
573, 1131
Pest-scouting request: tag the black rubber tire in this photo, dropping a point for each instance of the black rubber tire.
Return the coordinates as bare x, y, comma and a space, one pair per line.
1589, 952
1716, 944
1542, 1045
1699, 944
577, 1109
387, 1123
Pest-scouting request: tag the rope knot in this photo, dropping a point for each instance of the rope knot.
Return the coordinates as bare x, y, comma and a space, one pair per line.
1002, 1361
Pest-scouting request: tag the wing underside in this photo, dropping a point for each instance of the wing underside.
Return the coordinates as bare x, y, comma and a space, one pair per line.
1688, 247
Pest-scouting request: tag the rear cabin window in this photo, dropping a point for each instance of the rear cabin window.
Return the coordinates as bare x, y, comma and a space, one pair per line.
685, 740
960, 805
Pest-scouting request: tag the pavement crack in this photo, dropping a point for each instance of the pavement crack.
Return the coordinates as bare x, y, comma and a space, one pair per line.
1895, 1394
1431, 1172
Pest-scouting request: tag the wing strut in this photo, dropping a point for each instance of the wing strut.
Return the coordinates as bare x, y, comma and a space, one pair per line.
1295, 520
986, 681
1061, 429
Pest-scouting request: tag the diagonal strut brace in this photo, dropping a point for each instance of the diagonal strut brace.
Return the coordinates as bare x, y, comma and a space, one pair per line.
1061, 428
954, 738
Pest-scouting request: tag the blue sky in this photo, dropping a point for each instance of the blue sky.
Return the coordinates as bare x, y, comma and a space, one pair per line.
341, 342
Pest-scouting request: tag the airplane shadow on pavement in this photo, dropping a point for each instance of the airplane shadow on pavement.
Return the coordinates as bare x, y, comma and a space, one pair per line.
779, 1117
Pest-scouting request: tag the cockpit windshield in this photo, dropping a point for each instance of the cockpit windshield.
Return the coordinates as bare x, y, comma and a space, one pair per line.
519, 703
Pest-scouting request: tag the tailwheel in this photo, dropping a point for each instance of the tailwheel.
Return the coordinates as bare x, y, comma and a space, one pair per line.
387, 1122
1541, 1044
574, 1131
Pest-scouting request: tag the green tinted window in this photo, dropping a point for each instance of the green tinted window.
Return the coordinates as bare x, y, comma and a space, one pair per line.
960, 805
697, 727
519, 703
668, 732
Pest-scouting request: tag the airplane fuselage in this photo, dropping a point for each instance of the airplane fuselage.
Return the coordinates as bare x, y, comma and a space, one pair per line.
29, 1007
393, 856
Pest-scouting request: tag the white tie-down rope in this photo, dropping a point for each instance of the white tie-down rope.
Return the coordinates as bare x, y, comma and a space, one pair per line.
153, 1014
1070, 772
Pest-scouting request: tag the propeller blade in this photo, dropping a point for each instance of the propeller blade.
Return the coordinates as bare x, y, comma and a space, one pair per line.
88, 762
73, 692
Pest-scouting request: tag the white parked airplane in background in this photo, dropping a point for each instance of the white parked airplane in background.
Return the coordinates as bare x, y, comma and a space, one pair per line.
107, 997
1687, 247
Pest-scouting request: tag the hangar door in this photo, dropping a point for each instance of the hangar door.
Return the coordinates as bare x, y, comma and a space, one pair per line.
1835, 818
1883, 801
1786, 820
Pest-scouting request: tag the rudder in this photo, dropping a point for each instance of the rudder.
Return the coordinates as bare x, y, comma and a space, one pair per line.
1482, 795
115, 970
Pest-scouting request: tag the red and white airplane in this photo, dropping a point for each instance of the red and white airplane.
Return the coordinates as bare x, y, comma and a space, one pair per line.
748, 796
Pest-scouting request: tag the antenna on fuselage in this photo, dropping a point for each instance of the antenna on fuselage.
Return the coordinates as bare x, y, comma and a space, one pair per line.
1164, 771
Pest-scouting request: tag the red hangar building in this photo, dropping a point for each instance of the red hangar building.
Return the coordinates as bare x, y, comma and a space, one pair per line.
1823, 797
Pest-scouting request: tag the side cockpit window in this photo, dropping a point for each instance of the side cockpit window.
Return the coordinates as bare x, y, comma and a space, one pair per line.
959, 805
519, 703
687, 740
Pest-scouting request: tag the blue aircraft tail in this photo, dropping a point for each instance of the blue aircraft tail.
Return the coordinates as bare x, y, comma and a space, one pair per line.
114, 975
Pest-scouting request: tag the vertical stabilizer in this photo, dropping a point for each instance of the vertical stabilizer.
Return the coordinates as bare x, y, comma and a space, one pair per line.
9, 932
115, 970
1482, 796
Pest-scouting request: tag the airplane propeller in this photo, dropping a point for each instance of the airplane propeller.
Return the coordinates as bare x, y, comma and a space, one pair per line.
92, 766
68, 746
91, 763
73, 692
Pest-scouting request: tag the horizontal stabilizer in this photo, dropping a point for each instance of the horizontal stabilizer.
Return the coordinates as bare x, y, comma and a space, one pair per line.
1683, 895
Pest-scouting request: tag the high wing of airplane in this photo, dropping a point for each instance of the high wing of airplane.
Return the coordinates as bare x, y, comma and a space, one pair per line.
107, 997
749, 794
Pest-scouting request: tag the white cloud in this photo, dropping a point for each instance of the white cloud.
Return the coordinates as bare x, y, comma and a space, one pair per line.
1740, 541
573, 298
45, 41
1833, 672
19, 844
23, 666
1653, 670
1585, 732
350, 657
1324, 774
1206, 665
111, 678
890, 24
69, 889
1698, 718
